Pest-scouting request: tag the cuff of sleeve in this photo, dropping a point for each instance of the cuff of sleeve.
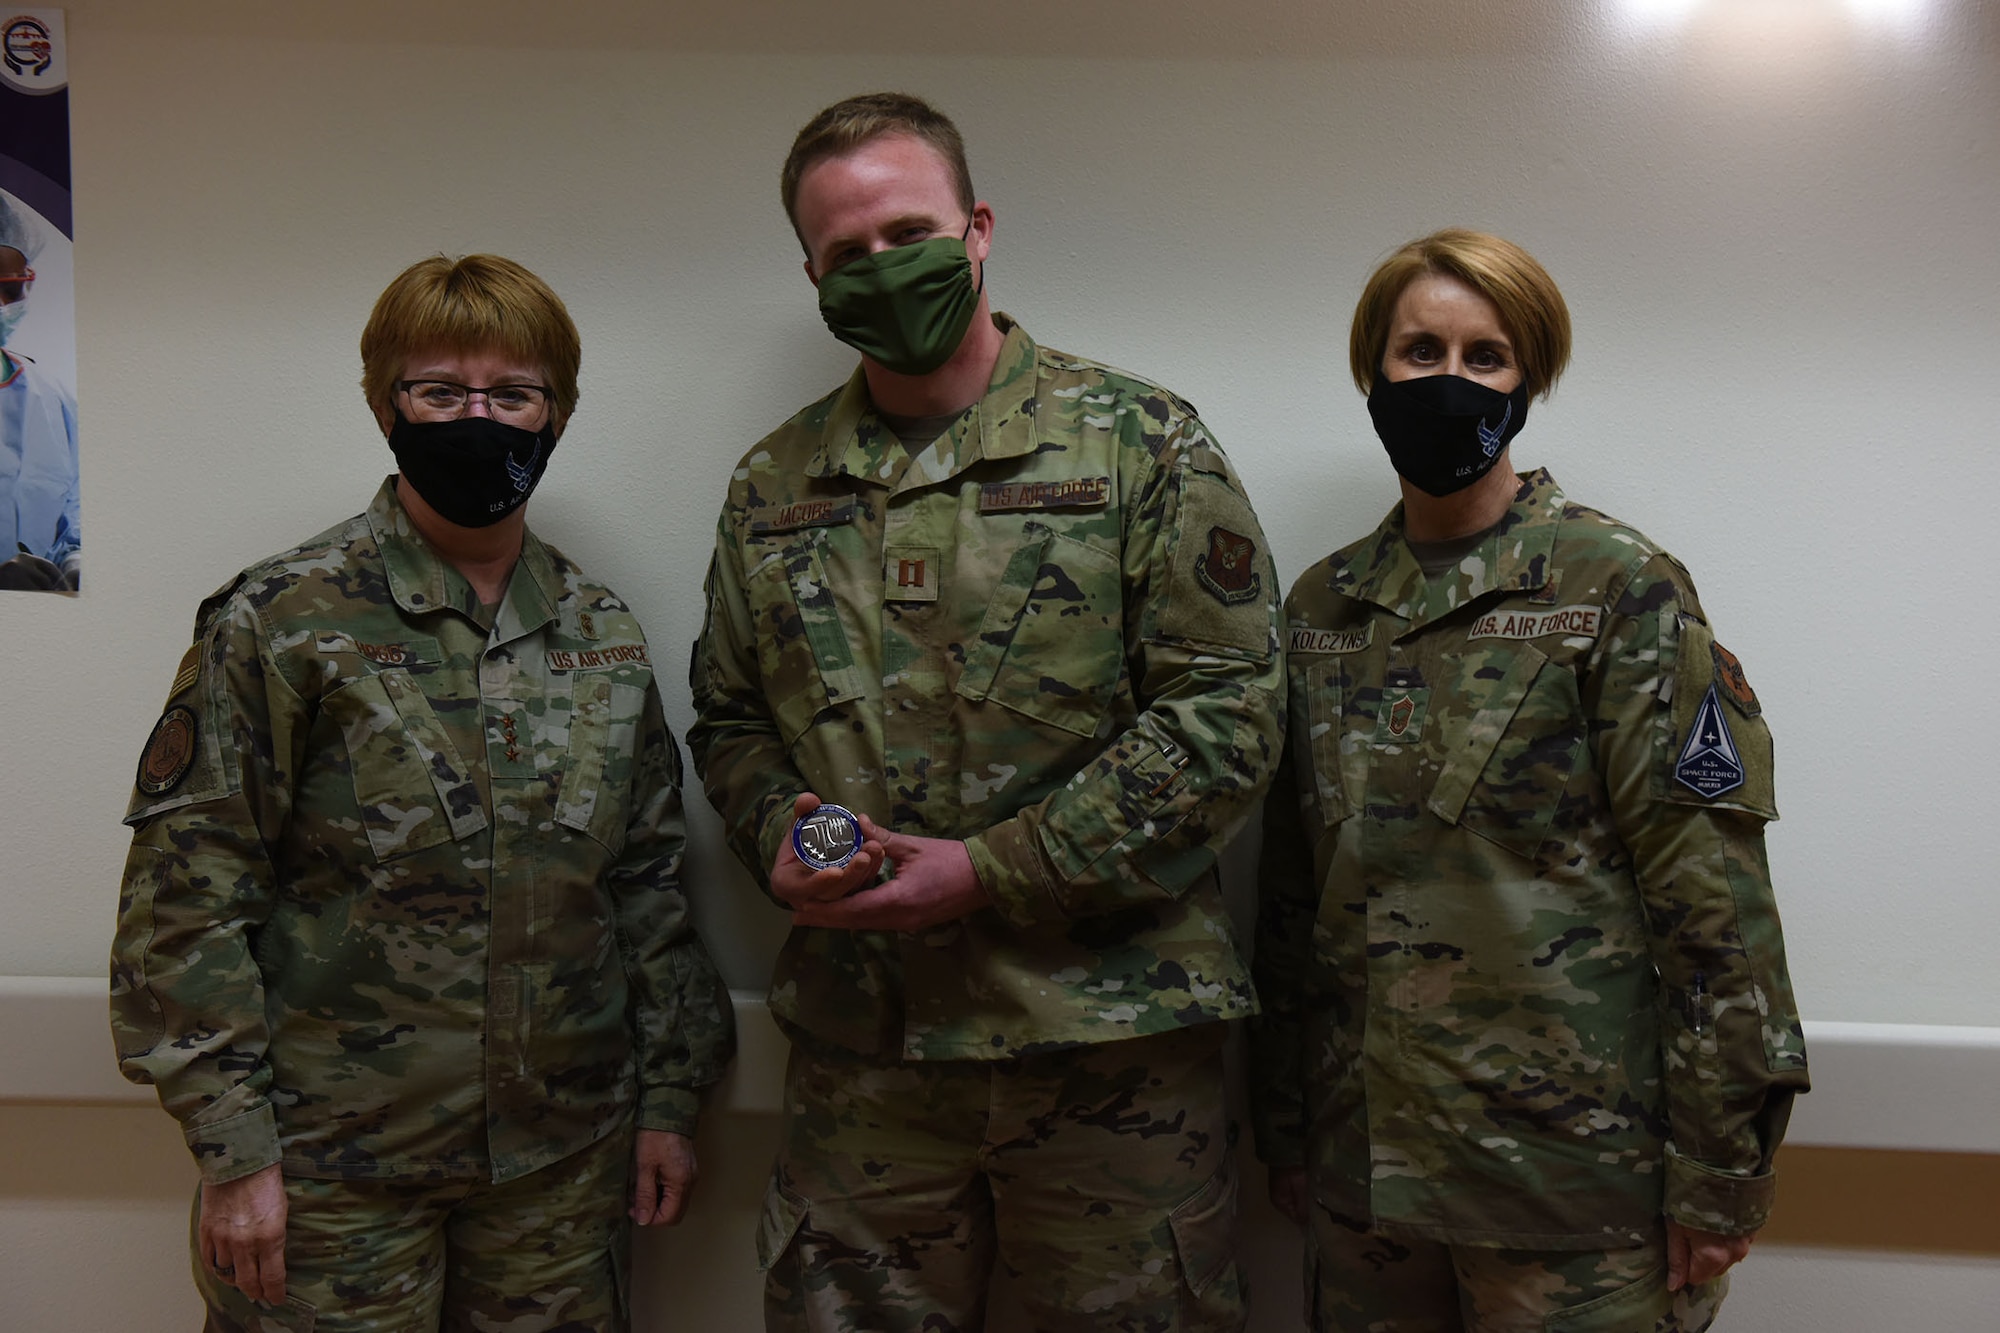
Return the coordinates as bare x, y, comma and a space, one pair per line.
1706, 1198
1010, 869
242, 1145
771, 838
672, 1109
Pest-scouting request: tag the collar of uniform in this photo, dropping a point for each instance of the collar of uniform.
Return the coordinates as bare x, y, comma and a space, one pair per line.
420, 580
1514, 556
1001, 424
533, 590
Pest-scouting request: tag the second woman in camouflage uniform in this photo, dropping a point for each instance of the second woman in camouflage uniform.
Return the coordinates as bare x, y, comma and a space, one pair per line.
1529, 1042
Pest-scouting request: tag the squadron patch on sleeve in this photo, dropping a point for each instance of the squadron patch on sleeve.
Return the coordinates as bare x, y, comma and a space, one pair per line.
1709, 764
169, 752
1228, 569
1735, 686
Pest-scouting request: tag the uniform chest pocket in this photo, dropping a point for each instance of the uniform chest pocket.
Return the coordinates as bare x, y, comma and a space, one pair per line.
1508, 759
412, 787
596, 795
1052, 644
803, 651
1317, 728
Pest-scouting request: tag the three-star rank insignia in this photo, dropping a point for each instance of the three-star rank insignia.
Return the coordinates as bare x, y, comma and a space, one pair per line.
1228, 568
1709, 764
1734, 685
169, 752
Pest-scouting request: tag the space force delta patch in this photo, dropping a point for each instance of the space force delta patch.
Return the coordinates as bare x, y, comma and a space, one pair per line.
1577, 620
1709, 764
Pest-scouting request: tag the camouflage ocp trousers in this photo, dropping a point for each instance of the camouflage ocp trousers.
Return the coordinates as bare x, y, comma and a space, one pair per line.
1359, 1281
542, 1253
1099, 1176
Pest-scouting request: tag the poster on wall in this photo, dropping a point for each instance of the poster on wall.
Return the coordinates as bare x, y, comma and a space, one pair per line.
41, 537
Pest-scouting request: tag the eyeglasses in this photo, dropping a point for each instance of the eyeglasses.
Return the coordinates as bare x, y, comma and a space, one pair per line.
443, 400
14, 286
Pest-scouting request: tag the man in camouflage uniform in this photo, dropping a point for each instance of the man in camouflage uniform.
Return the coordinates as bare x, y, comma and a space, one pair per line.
1528, 1042
402, 941
1012, 608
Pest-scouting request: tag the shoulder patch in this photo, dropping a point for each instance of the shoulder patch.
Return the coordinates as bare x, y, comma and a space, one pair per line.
1734, 685
1228, 568
1709, 764
169, 752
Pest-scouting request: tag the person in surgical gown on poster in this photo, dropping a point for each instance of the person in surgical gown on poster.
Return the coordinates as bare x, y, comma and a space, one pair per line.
41, 537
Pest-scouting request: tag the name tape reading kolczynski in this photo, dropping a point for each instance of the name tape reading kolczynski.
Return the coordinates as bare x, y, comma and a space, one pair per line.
828, 838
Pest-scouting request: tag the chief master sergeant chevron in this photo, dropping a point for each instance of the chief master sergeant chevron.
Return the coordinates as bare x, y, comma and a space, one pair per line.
1012, 608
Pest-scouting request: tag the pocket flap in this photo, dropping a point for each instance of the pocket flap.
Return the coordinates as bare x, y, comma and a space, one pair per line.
1204, 1227
784, 1214
1641, 1304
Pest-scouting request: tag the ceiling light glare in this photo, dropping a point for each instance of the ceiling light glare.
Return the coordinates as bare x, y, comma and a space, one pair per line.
1658, 13
1903, 14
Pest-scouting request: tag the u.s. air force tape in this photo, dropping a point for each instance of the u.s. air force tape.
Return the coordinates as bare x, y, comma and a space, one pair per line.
828, 838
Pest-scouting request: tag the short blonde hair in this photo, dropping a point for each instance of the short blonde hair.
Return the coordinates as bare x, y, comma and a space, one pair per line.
1531, 306
854, 121
475, 304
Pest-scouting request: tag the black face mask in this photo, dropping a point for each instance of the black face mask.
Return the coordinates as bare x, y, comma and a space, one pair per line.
1442, 432
473, 470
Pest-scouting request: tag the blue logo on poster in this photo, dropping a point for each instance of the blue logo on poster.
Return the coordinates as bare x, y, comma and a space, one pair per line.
1709, 764
27, 47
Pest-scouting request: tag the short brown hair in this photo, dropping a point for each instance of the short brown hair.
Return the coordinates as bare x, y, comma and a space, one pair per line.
475, 304
846, 125
1531, 306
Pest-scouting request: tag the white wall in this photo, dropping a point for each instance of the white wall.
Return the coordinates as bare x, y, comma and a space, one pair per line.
1775, 227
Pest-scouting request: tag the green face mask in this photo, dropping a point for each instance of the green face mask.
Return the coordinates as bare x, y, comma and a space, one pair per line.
906, 309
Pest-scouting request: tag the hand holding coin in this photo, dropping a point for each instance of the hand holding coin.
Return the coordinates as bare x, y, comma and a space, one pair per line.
831, 852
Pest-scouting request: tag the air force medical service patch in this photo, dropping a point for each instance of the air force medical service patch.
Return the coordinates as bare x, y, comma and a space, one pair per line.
1709, 764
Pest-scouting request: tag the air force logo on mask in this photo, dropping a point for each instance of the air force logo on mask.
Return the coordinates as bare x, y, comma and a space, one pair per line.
523, 474
1709, 764
1491, 437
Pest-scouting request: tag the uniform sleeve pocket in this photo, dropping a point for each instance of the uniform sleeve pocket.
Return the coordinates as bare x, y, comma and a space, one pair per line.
803, 650
597, 773
413, 789
1508, 760
1053, 638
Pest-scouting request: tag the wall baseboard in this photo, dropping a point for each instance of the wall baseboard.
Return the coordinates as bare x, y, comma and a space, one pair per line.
1888, 1086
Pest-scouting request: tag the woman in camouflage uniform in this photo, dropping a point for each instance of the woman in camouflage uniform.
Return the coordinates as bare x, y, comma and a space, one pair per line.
1529, 1042
402, 942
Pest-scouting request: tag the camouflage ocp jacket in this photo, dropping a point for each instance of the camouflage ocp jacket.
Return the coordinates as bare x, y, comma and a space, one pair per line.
403, 898
1052, 634
1522, 972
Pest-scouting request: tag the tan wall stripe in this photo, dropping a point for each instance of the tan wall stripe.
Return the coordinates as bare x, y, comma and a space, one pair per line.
1873, 1199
